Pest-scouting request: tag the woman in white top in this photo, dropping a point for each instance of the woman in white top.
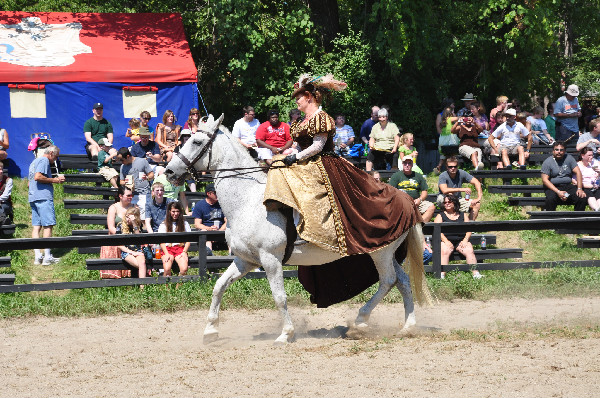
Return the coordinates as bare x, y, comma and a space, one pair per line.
174, 222
3, 144
589, 176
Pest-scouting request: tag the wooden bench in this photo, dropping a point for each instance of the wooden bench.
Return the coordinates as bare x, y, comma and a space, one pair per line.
536, 201
81, 162
506, 175
588, 242
212, 263
112, 192
85, 177
510, 189
6, 279
100, 219
561, 214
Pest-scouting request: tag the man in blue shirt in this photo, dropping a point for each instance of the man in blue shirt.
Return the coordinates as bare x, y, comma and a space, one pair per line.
567, 113
208, 215
41, 200
365, 130
146, 148
156, 209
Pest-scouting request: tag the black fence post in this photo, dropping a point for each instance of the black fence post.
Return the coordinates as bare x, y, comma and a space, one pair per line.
436, 247
202, 268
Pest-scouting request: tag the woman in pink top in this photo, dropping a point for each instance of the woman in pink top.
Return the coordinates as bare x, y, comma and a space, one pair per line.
589, 175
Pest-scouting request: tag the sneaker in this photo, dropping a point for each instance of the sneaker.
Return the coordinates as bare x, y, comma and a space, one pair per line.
523, 167
515, 164
509, 167
477, 276
443, 275
480, 166
50, 260
38, 260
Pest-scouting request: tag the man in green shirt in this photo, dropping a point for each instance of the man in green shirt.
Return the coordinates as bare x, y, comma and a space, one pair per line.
96, 128
415, 185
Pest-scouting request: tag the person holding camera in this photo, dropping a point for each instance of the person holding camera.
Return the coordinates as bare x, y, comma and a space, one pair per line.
468, 133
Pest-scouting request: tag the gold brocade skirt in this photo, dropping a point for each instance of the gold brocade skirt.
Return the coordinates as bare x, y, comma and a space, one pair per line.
306, 188
342, 208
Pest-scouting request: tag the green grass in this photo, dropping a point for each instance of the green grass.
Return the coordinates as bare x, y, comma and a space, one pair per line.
255, 294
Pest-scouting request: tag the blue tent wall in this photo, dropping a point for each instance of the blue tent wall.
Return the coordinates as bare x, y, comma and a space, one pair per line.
69, 105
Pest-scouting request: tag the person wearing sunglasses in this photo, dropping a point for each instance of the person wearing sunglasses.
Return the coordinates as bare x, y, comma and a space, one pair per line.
144, 120
451, 182
193, 120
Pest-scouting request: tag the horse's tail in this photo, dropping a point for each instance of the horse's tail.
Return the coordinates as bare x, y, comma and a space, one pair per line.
413, 265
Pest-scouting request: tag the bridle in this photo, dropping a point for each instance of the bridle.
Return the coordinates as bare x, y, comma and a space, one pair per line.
208, 148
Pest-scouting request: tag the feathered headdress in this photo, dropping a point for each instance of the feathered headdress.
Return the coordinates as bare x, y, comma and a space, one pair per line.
325, 83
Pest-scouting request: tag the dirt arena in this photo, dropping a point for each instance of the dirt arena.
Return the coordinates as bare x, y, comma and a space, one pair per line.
516, 348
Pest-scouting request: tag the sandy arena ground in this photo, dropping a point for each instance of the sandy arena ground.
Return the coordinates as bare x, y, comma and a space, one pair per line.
162, 355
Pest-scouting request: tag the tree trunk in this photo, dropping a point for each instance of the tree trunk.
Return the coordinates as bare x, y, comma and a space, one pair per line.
325, 16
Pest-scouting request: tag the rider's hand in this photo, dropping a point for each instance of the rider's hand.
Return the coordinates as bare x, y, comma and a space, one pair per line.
290, 160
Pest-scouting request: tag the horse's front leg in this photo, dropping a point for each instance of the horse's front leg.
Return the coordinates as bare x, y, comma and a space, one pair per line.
274, 271
235, 271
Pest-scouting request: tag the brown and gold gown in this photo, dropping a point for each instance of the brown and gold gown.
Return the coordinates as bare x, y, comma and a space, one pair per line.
342, 209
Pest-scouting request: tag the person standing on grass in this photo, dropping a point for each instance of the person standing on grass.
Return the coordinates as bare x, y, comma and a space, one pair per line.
41, 200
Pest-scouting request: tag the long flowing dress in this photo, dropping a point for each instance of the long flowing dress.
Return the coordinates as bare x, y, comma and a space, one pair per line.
342, 209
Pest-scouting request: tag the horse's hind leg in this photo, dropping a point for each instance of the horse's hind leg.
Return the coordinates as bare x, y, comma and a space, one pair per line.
403, 285
235, 271
387, 279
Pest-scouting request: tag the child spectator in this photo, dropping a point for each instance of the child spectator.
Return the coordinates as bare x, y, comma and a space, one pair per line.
105, 163
133, 131
407, 148
6, 206
538, 127
174, 222
509, 133
133, 254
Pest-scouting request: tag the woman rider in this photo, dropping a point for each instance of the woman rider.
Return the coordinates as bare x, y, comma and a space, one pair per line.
336, 206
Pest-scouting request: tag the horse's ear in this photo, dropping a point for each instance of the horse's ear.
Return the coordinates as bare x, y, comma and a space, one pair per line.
220, 120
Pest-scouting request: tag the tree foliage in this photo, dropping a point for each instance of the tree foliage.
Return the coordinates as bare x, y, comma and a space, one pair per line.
406, 53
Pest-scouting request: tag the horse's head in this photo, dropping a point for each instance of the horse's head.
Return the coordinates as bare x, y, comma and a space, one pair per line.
195, 154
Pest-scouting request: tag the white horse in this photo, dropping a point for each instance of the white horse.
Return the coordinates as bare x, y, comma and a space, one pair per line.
257, 237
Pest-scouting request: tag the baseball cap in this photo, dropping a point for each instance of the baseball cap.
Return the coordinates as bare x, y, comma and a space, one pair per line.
98, 105
144, 131
407, 159
210, 188
186, 132
105, 142
511, 112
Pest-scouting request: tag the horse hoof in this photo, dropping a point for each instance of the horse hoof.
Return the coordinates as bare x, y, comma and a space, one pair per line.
210, 337
357, 331
410, 322
283, 340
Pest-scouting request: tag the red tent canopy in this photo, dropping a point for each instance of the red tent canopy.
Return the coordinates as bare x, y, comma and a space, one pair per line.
132, 48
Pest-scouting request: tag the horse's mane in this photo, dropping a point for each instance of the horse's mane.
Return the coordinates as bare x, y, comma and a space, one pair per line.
237, 145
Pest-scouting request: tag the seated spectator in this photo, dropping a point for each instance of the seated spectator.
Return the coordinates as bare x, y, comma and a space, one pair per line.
105, 162
133, 254
383, 144
539, 129
6, 206
478, 111
550, 120
115, 215
148, 149
294, 115
208, 215
145, 117
557, 171
167, 134
501, 106
446, 139
589, 177
415, 185
344, 136
193, 121
135, 174
407, 148
273, 137
468, 133
183, 137
376, 175
457, 241
156, 209
244, 130
451, 182
174, 222
590, 139
133, 132
509, 134
174, 192
3, 144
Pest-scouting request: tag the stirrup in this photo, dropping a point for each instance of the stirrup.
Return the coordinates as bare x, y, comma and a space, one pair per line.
299, 242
